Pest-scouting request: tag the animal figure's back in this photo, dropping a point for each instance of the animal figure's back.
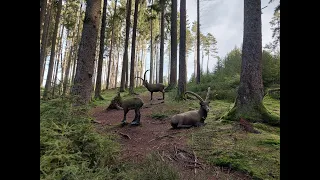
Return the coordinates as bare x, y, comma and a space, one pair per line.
186, 118
133, 103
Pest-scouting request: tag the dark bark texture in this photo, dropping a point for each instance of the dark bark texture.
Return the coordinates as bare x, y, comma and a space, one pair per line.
182, 51
87, 52
133, 45
97, 92
125, 54
249, 102
173, 66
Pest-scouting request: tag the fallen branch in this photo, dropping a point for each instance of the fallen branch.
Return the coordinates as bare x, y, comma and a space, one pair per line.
160, 137
160, 156
125, 135
168, 157
195, 162
98, 122
192, 166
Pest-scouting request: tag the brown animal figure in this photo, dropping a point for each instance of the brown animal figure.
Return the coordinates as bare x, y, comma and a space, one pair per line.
129, 104
152, 87
114, 103
194, 118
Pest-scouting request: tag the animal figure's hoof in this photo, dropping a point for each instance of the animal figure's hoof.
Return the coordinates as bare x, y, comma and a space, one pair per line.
123, 123
135, 123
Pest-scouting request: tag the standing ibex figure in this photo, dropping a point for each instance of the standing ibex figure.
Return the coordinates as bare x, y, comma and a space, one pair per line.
152, 87
127, 105
192, 118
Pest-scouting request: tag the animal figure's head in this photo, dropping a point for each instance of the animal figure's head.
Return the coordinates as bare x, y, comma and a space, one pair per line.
118, 98
145, 82
204, 104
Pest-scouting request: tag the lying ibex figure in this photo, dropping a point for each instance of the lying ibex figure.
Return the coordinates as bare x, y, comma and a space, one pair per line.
152, 87
192, 118
127, 105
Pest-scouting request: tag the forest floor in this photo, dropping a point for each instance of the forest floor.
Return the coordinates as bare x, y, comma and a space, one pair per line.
155, 135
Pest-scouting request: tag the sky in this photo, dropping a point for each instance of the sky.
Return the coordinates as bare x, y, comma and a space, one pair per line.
224, 20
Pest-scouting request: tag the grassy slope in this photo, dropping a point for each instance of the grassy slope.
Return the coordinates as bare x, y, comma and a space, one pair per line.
221, 143
218, 142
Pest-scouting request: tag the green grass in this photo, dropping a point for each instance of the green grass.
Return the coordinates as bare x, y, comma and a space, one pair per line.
151, 168
221, 143
273, 105
70, 147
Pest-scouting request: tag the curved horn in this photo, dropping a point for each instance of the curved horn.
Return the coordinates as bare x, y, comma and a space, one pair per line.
196, 95
207, 97
144, 76
140, 78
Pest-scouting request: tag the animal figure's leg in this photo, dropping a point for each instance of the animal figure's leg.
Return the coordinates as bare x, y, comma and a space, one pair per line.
163, 94
151, 96
184, 126
198, 124
125, 111
180, 125
136, 120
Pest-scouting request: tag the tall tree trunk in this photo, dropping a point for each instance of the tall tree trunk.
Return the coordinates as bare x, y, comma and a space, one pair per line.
202, 62
66, 74
105, 74
133, 45
137, 64
249, 103
58, 60
97, 93
161, 42
169, 65
53, 51
124, 73
117, 68
182, 51
63, 62
208, 64
151, 49
195, 63
111, 44
173, 64
77, 45
142, 62
157, 64
198, 43
87, 52
42, 13
44, 41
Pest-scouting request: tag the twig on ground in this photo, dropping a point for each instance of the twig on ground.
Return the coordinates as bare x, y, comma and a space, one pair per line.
98, 122
160, 156
159, 137
168, 157
125, 135
195, 162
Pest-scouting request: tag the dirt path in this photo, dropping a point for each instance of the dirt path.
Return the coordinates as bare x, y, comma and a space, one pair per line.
157, 136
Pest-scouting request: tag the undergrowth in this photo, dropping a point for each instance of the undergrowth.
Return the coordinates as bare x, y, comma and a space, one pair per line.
70, 148
221, 143
151, 168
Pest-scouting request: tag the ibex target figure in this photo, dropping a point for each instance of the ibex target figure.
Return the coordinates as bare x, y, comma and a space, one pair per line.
152, 87
192, 118
129, 104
